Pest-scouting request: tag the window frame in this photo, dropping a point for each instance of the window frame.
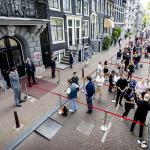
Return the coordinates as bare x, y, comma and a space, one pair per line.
70, 7
87, 30
94, 6
58, 41
80, 7
52, 8
87, 2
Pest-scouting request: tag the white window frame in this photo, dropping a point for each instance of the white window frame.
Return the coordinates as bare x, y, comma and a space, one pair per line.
99, 7
81, 8
57, 42
88, 8
52, 8
70, 7
94, 6
88, 28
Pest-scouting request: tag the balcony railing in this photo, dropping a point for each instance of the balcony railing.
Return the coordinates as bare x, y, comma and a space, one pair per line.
23, 8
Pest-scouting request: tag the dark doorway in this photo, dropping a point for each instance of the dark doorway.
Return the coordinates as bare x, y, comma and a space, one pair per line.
11, 56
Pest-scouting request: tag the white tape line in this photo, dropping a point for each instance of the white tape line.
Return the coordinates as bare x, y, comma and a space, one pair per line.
105, 134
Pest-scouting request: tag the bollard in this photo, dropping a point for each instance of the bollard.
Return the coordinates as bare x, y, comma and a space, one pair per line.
58, 77
60, 104
104, 127
60, 100
82, 72
26, 89
16, 120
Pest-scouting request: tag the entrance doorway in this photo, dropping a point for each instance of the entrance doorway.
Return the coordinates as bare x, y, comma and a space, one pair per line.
11, 56
74, 31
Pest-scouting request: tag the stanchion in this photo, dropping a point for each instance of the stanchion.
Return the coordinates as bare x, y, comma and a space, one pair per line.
27, 94
82, 72
104, 127
60, 105
16, 120
58, 77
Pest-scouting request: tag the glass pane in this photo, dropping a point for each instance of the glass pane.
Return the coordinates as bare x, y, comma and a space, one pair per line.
2, 44
17, 58
70, 37
12, 43
70, 23
78, 23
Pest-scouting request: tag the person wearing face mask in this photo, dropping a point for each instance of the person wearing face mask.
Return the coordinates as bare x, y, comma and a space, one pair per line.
15, 84
30, 70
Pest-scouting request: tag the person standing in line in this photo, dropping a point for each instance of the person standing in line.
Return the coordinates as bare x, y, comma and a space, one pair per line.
141, 112
106, 70
130, 69
72, 95
99, 67
99, 83
71, 59
53, 66
15, 84
121, 85
89, 91
119, 55
75, 78
128, 57
111, 81
30, 70
129, 101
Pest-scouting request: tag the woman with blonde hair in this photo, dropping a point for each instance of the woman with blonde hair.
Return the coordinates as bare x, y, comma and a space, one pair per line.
106, 70
131, 68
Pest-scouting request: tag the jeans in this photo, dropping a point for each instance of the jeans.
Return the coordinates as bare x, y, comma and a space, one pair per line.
73, 104
17, 95
89, 102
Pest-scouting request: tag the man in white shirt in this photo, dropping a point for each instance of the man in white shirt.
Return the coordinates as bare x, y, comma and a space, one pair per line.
99, 83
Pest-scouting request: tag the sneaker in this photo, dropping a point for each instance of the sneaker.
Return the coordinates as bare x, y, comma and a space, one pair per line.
70, 110
18, 105
89, 111
139, 141
143, 145
117, 107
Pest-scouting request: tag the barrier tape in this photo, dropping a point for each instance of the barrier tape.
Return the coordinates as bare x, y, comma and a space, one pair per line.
97, 108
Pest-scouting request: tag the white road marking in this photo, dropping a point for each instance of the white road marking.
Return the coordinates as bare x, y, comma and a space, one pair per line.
105, 134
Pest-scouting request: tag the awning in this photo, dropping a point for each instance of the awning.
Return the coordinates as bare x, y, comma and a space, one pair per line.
108, 23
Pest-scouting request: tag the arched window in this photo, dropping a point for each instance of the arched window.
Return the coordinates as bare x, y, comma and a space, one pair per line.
93, 26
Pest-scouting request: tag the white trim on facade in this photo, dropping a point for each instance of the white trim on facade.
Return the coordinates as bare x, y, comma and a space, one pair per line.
52, 8
70, 7
80, 6
62, 41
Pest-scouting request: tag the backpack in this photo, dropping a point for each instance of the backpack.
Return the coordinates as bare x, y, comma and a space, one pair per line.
133, 83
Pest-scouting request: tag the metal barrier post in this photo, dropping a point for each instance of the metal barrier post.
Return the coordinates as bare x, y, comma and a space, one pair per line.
82, 72
26, 89
104, 127
16, 120
60, 103
58, 77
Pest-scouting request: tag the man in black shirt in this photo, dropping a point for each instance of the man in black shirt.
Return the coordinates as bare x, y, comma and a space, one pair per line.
141, 112
121, 85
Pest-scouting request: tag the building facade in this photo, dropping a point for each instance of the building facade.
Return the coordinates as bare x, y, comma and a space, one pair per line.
21, 23
76, 25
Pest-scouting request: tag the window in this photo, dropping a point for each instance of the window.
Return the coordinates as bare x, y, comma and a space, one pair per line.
79, 6
67, 5
57, 29
102, 6
99, 5
54, 4
85, 28
93, 5
86, 7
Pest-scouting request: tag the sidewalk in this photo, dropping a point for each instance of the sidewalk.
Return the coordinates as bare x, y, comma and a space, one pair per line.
31, 111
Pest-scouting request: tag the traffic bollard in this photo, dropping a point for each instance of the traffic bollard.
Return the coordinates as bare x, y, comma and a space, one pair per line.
27, 94
82, 72
104, 127
16, 120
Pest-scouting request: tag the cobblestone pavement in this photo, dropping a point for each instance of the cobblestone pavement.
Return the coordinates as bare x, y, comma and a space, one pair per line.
67, 138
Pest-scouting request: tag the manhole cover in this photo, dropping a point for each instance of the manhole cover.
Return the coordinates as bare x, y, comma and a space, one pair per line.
49, 128
85, 127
